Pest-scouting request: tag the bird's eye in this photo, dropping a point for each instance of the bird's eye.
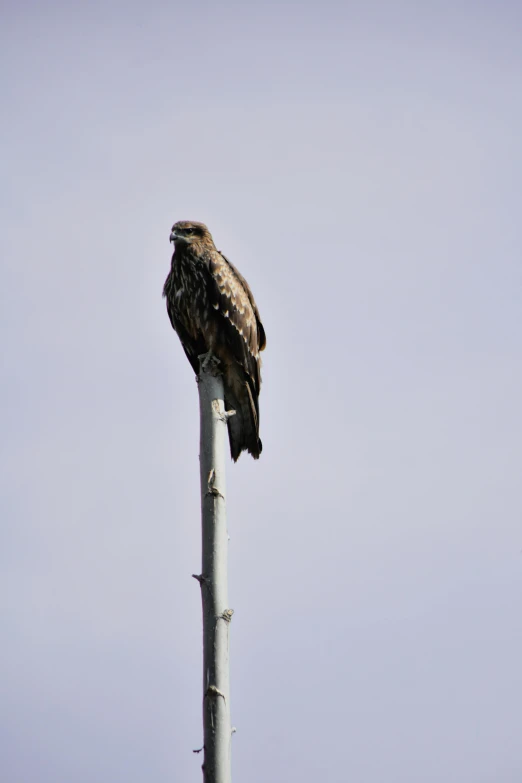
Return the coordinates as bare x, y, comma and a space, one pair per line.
189, 231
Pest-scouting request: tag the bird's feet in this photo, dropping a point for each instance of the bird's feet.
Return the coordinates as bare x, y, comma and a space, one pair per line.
209, 362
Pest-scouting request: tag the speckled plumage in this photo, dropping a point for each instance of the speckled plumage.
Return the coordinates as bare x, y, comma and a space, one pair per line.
211, 307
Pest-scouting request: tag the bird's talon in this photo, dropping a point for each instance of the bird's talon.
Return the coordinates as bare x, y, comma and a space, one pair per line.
209, 362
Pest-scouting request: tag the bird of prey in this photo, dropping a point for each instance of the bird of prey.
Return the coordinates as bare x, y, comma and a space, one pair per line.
212, 309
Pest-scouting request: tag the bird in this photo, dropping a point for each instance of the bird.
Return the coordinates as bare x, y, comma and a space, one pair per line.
212, 309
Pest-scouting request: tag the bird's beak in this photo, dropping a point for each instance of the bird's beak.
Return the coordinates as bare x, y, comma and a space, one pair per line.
173, 236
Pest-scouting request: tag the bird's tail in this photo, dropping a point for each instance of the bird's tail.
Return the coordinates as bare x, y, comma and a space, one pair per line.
243, 428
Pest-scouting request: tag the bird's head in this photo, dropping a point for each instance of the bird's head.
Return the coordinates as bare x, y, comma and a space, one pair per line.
188, 232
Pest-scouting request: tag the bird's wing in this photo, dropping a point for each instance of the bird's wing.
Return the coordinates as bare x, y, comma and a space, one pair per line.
260, 330
230, 294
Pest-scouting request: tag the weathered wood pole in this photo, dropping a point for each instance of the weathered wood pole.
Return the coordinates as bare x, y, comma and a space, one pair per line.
213, 579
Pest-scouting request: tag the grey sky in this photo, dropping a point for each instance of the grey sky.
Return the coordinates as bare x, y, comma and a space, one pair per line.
361, 164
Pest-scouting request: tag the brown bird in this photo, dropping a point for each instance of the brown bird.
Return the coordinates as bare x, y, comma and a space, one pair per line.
211, 307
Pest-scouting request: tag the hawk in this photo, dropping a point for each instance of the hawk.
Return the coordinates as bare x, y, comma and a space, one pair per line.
212, 309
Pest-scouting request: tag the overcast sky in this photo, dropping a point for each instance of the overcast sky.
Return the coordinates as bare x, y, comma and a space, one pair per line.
361, 164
